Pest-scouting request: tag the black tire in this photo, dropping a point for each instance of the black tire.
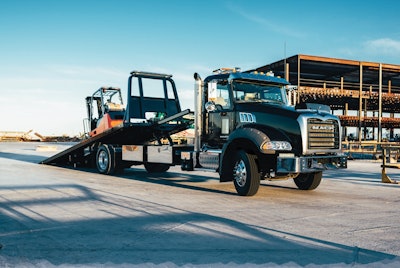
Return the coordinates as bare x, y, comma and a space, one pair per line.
246, 177
308, 181
105, 159
156, 167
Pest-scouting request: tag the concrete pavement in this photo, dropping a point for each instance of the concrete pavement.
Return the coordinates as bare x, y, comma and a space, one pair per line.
53, 216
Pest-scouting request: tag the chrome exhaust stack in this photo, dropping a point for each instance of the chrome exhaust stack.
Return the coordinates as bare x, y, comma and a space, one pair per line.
198, 94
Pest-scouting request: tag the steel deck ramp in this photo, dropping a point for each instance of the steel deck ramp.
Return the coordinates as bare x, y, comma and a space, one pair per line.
126, 133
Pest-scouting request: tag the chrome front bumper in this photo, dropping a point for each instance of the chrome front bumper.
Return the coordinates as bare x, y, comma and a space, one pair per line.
307, 164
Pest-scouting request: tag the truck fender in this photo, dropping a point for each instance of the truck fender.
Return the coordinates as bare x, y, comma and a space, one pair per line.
246, 139
249, 139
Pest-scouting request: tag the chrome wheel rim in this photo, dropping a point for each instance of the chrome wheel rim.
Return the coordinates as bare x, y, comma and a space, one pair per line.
102, 160
240, 173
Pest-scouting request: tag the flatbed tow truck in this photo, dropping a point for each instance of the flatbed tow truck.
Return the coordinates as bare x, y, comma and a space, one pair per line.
244, 129
112, 125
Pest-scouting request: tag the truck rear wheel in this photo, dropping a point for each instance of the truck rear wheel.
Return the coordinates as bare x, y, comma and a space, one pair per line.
308, 181
105, 159
246, 177
156, 167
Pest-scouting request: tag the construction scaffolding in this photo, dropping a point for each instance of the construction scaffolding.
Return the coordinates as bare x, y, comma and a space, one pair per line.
369, 89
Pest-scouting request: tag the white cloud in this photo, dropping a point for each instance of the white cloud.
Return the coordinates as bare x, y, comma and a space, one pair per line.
385, 46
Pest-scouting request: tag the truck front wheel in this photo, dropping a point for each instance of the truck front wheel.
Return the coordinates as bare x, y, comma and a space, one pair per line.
246, 177
308, 181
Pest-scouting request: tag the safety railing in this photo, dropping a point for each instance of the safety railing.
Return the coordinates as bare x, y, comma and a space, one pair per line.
390, 157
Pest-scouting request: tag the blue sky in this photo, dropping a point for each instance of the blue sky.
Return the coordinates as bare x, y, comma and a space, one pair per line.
55, 53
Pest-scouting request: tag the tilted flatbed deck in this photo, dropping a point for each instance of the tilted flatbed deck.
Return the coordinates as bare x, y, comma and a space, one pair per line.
126, 133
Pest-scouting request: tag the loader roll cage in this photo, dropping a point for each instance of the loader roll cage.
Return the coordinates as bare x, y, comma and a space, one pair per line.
105, 99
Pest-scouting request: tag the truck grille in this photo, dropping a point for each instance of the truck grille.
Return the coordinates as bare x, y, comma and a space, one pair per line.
323, 134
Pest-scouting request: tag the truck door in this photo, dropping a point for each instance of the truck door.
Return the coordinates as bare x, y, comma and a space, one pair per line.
220, 115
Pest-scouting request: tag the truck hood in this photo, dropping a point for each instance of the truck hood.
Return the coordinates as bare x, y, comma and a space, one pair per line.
279, 119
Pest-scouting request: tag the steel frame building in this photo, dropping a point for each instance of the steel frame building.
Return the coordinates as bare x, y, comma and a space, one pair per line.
371, 90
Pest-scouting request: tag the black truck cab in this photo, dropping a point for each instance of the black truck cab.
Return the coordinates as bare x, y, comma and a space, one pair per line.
233, 100
245, 122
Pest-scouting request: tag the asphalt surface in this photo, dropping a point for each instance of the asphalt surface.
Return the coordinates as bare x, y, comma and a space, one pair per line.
63, 217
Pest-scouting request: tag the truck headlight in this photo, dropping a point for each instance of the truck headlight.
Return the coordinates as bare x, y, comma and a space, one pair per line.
276, 146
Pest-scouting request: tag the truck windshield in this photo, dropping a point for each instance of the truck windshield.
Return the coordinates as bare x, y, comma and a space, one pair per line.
246, 91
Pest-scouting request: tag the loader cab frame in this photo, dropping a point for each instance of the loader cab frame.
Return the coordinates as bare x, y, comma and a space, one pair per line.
105, 104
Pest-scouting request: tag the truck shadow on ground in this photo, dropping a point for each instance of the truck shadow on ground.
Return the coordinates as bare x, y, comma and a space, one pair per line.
92, 229
187, 180
174, 179
209, 182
